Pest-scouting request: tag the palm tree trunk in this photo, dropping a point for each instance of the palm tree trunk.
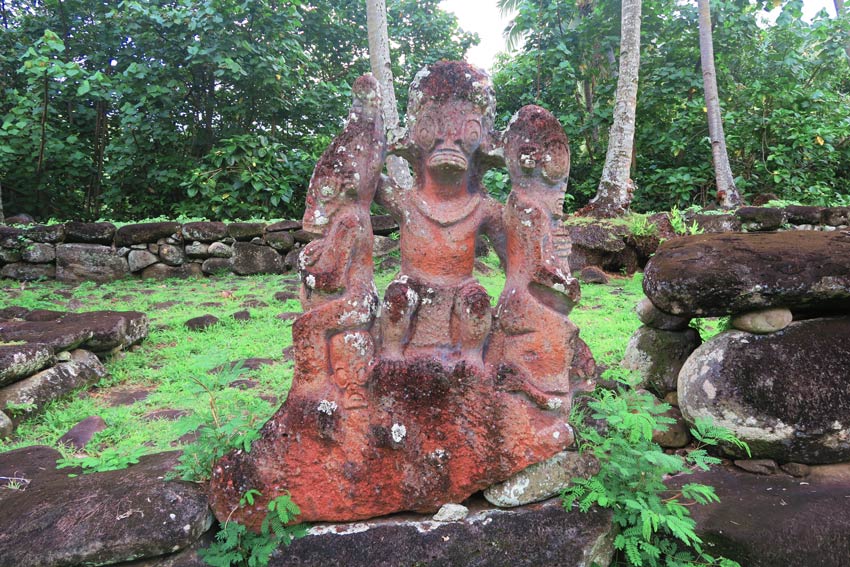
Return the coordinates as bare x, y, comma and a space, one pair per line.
381, 65
727, 193
614, 194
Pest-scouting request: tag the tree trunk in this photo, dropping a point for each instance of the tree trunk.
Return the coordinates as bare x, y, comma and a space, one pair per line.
2, 216
727, 193
614, 194
380, 63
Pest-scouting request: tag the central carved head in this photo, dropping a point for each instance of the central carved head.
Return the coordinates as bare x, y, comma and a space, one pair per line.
450, 115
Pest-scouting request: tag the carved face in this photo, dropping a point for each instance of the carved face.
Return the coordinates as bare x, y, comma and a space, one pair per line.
351, 357
447, 135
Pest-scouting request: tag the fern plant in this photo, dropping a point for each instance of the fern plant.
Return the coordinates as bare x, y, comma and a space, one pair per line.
237, 546
655, 527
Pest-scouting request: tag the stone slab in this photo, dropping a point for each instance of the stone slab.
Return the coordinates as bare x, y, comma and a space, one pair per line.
713, 275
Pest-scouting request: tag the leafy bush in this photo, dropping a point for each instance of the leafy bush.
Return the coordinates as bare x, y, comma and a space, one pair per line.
655, 526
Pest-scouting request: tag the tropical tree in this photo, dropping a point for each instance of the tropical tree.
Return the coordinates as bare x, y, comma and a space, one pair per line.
614, 194
727, 193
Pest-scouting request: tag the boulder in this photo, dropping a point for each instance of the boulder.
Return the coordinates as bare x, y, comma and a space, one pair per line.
172, 255
244, 231
144, 233
25, 272
198, 250
601, 244
767, 521
20, 218
220, 250
280, 241
764, 321
677, 434
21, 360
99, 518
533, 535
653, 317
7, 426
38, 253
213, 266
798, 214
760, 218
8, 255
593, 275
249, 259
285, 225
786, 394
716, 223
201, 323
384, 225
99, 331
836, 216
204, 231
290, 261
304, 237
80, 435
46, 233
712, 275
89, 233
383, 245
659, 355
543, 480
27, 397
451, 513
77, 263
163, 272
140, 259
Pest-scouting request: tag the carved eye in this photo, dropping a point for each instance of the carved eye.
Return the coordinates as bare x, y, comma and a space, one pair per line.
471, 135
426, 133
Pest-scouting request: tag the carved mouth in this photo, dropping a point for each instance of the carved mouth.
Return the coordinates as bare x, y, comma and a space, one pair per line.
448, 160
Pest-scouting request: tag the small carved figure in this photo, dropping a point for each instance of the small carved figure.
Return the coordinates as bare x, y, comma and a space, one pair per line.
338, 290
534, 340
436, 306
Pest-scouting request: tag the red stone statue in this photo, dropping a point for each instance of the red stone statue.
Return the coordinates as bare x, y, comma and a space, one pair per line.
433, 398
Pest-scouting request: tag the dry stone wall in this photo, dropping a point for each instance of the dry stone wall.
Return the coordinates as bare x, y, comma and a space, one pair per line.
101, 252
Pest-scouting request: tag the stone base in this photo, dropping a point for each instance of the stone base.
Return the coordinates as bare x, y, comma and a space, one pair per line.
537, 534
767, 521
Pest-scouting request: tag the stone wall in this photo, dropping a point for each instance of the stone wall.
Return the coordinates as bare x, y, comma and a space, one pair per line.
76, 252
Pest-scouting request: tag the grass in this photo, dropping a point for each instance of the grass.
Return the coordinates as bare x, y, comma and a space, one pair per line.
166, 366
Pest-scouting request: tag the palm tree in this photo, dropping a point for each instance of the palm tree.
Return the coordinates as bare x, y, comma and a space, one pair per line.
381, 65
727, 193
614, 194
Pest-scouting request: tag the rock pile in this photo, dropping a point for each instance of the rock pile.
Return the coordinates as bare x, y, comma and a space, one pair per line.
45, 355
778, 378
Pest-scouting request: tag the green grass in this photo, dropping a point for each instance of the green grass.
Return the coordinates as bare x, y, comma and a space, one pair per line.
167, 363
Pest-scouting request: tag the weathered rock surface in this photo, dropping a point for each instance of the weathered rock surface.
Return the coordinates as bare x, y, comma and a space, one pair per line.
659, 355
249, 259
140, 259
220, 250
383, 225
716, 223
677, 434
786, 394
836, 216
284, 226
760, 218
98, 331
768, 521
89, 233
653, 317
172, 255
144, 233
764, 321
201, 323
215, 265
38, 253
243, 231
204, 231
534, 535
46, 233
89, 262
712, 275
80, 435
542, 480
7, 427
797, 214
24, 272
96, 518
163, 271
280, 241
593, 275
28, 396
22, 360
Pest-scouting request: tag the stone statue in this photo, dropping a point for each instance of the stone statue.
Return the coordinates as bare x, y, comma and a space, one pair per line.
433, 396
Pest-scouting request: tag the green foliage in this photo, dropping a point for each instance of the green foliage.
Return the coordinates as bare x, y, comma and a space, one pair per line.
222, 433
125, 109
781, 88
110, 459
639, 225
235, 545
680, 224
655, 525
